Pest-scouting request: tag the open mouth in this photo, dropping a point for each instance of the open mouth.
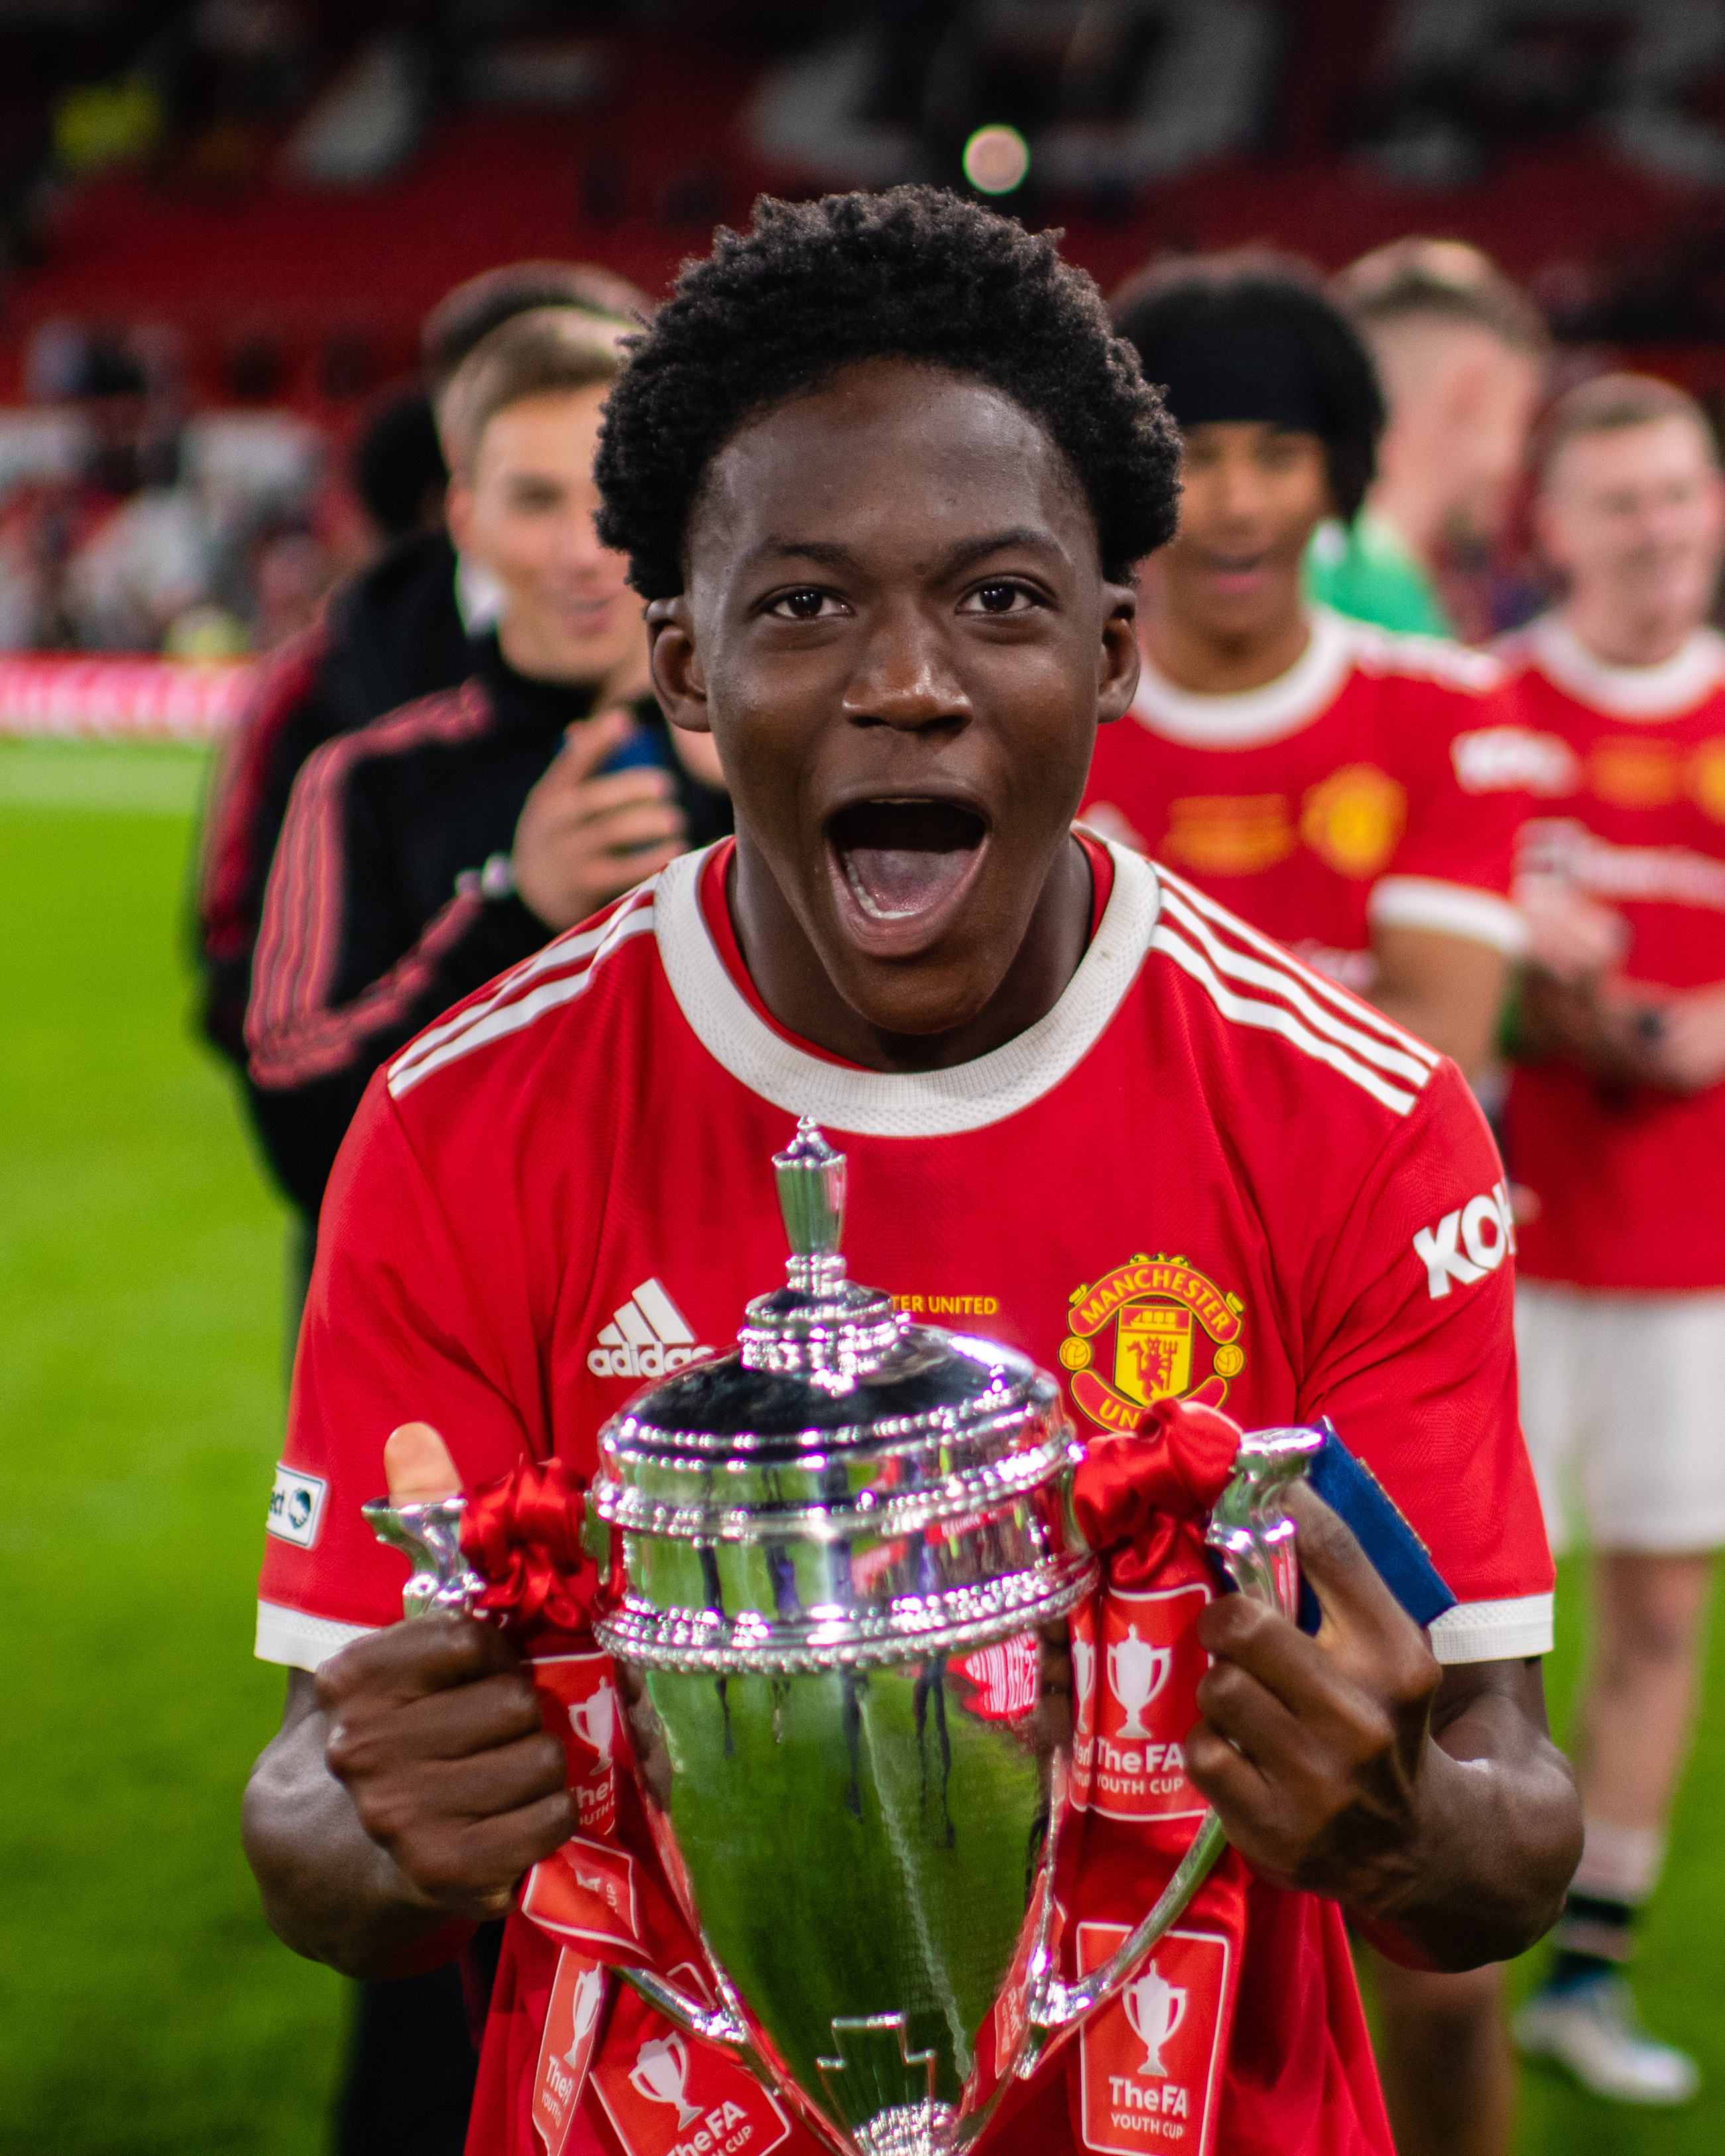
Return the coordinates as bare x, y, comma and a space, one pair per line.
905, 861
1235, 569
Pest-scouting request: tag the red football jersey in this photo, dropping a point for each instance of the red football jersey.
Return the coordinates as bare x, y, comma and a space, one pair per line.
1360, 788
1205, 1166
1627, 766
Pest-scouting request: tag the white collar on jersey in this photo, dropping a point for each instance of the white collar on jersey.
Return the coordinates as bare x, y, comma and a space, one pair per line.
903, 1104
1280, 707
1311, 685
1676, 684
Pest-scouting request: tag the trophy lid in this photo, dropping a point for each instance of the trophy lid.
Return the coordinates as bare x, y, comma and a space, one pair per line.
823, 1358
836, 1423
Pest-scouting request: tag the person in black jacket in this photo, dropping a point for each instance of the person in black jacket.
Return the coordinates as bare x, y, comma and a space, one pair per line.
403, 628
428, 851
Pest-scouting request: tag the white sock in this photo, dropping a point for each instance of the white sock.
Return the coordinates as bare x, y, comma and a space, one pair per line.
1619, 1863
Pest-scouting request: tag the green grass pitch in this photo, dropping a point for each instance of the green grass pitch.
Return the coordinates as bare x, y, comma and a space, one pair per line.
144, 2010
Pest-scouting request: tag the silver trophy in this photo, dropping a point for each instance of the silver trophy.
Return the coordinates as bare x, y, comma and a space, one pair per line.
850, 1551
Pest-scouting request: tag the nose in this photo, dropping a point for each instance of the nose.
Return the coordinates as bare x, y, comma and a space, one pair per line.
905, 679
1240, 494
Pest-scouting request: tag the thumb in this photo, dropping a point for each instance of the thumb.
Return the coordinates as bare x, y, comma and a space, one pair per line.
1352, 1601
417, 1466
588, 741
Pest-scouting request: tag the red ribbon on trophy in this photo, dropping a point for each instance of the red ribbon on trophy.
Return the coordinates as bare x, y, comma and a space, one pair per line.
1147, 2067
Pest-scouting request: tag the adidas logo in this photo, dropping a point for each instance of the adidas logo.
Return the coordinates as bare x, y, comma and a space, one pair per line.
648, 1338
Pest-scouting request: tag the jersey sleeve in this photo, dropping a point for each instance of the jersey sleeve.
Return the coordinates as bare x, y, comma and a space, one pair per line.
1453, 870
1411, 1353
397, 1329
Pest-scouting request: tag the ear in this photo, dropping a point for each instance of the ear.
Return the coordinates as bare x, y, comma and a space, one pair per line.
1118, 663
1467, 390
458, 514
679, 677
1548, 533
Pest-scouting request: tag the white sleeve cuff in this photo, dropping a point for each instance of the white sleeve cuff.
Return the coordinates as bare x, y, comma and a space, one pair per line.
1450, 909
1494, 1631
302, 1642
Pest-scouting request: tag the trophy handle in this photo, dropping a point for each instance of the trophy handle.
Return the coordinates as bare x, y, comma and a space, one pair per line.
715, 2025
428, 1533
1254, 1540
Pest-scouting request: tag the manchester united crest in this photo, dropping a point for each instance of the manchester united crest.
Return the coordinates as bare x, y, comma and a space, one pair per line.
1353, 819
1151, 1328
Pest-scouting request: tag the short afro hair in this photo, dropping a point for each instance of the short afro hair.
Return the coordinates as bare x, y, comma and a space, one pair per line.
1257, 296
776, 312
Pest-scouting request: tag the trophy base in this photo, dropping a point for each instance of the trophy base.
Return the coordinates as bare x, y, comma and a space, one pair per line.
907, 2129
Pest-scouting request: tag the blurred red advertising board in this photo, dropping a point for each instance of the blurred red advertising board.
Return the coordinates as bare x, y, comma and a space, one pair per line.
125, 698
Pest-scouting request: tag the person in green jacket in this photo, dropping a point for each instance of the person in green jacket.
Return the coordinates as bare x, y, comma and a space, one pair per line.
1461, 355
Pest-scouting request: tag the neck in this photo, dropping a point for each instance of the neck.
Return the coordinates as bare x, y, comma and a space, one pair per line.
1619, 635
796, 988
1413, 502
1214, 661
534, 660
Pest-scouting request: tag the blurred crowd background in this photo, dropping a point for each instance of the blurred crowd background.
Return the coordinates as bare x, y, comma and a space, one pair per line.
222, 224
225, 229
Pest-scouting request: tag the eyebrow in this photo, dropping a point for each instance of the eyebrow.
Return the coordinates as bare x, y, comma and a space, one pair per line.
834, 552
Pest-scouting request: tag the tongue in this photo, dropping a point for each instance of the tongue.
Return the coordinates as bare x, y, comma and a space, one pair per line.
901, 859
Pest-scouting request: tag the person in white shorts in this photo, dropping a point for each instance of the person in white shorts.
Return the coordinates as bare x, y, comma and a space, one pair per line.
1616, 1146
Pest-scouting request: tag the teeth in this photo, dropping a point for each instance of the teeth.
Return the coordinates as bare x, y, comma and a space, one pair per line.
867, 903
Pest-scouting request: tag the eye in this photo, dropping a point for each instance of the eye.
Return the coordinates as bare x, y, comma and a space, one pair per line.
999, 599
804, 606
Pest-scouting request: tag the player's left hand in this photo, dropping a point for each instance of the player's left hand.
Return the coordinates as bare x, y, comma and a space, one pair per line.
1313, 1750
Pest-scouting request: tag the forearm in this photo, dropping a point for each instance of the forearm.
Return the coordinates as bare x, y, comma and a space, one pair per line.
329, 1891
1498, 1833
1446, 990
302, 1112
1464, 1035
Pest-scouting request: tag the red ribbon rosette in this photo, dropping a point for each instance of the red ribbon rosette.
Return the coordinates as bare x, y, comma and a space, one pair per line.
1175, 1464
522, 1535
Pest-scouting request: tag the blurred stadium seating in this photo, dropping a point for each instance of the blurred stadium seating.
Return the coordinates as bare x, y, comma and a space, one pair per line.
220, 222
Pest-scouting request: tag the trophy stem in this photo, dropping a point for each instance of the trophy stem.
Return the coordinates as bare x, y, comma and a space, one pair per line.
1061, 2005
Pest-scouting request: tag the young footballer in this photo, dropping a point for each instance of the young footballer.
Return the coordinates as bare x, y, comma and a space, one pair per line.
881, 471
1331, 783
1337, 787
1617, 1141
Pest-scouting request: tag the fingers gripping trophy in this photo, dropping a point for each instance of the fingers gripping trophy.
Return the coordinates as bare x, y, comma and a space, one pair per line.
820, 1545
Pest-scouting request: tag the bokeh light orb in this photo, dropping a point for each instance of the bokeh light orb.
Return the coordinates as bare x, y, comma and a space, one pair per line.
996, 160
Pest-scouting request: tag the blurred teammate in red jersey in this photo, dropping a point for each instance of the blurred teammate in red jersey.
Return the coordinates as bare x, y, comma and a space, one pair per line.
1333, 784
882, 474
1617, 1137
1338, 787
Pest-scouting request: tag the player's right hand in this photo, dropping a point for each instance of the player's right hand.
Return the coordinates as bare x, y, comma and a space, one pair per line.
1569, 936
583, 841
435, 1733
